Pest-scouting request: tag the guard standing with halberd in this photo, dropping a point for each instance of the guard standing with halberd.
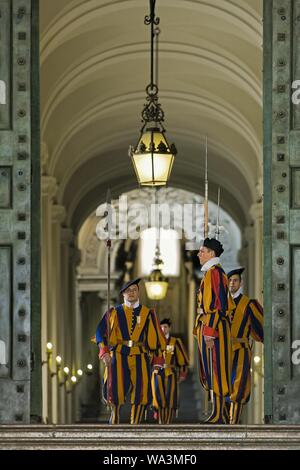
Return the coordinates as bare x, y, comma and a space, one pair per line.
246, 323
126, 335
170, 367
212, 329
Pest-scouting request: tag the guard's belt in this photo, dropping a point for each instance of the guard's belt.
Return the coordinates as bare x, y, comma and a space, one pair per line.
165, 366
130, 343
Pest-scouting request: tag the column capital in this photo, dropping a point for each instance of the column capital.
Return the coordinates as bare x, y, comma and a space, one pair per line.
260, 189
256, 211
58, 213
49, 186
249, 234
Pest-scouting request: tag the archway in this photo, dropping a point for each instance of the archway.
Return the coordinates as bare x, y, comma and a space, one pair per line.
90, 113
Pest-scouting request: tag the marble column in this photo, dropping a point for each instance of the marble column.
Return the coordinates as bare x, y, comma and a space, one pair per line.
74, 352
49, 190
243, 260
77, 355
58, 215
256, 212
104, 412
65, 312
191, 311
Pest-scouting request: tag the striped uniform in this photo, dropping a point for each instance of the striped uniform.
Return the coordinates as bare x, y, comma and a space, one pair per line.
247, 321
215, 305
164, 380
128, 335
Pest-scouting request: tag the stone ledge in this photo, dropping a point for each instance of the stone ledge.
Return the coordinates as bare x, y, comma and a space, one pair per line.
147, 437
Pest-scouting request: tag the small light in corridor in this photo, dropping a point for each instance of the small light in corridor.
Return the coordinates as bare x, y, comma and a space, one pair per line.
66, 370
73, 379
58, 360
79, 372
49, 347
257, 359
89, 367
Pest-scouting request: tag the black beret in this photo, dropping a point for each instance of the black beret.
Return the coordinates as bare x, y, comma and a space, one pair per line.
130, 283
238, 271
214, 244
166, 321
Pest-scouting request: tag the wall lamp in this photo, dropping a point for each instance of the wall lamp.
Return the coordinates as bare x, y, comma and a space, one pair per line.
49, 351
58, 360
66, 372
89, 369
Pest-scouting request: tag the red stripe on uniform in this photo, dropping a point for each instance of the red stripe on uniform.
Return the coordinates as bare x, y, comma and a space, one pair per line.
215, 283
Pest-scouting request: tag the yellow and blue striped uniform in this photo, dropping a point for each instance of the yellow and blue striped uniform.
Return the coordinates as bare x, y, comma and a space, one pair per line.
128, 335
215, 305
164, 381
247, 322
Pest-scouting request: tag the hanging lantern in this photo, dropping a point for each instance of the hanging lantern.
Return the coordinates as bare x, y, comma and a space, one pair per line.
152, 157
157, 284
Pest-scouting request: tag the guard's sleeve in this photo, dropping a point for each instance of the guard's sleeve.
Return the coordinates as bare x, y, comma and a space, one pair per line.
181, 358
155, 338
104, 329
256, 320
198, 322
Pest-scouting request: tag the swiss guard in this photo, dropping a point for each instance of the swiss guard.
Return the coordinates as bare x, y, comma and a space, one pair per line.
126, 335
212, 329
170, 367
246, 324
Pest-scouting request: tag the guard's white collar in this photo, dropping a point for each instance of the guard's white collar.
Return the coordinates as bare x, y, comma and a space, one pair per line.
167, 336
237, 293
210, 263
129, 305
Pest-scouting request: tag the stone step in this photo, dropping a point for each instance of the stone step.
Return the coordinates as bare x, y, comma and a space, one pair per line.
124, 437
189, 403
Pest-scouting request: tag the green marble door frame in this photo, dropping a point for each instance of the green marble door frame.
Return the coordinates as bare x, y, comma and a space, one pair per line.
281, 210
20, 331
36, 373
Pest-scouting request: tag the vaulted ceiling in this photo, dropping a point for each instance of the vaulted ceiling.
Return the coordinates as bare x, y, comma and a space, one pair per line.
94, 70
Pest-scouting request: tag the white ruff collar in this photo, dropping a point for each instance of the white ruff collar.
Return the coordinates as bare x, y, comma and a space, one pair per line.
237, 293
210, 263
129, 305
